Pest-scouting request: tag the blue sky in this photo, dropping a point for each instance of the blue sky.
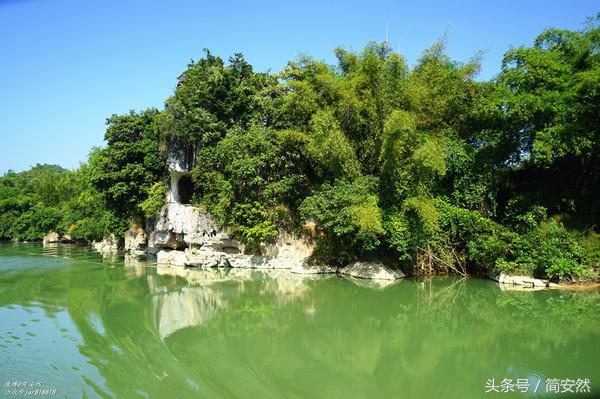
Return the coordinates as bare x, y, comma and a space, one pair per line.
65, 66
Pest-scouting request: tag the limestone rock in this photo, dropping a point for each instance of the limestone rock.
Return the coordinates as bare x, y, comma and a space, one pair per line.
108, 244
177, 258
164, 239
54, 238
184, 227
179, 225
306, 269
288, 251
135, 239
524, 281
256, 262
205, 258
372, 270
51, 238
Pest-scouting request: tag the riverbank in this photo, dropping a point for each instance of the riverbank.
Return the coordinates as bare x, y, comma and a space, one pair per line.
380, 274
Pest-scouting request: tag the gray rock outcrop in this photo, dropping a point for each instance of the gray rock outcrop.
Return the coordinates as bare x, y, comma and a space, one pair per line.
108, 244
179, 226
522, 281
372, 270
219, 251
55, 238
136, 240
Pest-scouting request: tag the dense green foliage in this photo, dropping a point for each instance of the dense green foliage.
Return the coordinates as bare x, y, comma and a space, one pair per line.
251, 179
350, 214
125, 170
424, 166
101, 198
48, 198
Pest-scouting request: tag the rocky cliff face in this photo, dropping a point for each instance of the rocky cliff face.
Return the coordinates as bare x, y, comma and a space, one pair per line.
179, 226
183, 235
220, 251
136, 240
107, 245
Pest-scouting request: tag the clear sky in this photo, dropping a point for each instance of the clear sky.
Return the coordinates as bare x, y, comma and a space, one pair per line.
65, 66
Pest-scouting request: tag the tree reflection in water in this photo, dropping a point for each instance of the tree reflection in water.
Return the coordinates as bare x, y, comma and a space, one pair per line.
169, 331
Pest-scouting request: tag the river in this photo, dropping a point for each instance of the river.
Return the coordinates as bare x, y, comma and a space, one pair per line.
79, 324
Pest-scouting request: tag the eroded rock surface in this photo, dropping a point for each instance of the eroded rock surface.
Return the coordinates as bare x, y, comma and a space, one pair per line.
108, 244
372, 270
523, 281
219, 251
54, 238
180, 225
136, 240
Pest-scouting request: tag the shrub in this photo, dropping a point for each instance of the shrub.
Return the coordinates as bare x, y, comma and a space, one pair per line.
549, 251
348, 212
252, 225
155, 199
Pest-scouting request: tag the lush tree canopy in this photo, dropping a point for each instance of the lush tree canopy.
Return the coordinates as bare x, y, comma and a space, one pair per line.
426, 166
48, 198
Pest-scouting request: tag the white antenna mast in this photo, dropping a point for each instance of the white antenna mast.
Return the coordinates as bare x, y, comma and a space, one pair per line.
386, 33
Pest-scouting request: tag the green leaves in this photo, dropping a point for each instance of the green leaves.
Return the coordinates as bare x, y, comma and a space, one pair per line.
155, 199
48, 198
430, 134
329, 150
125, 170
429, 159
551, 119
212, 98
348, 212
251, 223
425, 165
248, 174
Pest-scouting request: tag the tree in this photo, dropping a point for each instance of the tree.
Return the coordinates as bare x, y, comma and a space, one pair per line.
249, 177
550, 105
211, 98
348, 213
130, 164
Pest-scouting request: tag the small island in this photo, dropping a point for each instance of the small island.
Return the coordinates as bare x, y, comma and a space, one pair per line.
403, 171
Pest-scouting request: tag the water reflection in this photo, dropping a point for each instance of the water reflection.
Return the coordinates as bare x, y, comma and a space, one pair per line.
132, 329
377, 284
209, 291
134, 265
187, 307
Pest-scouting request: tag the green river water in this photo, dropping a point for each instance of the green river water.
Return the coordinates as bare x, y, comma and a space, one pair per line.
86, 326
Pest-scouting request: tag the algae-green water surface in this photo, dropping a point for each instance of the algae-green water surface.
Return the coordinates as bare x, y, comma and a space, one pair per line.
83, 325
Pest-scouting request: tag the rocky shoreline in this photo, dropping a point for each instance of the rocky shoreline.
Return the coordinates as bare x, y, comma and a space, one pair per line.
372, 273
182, 235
